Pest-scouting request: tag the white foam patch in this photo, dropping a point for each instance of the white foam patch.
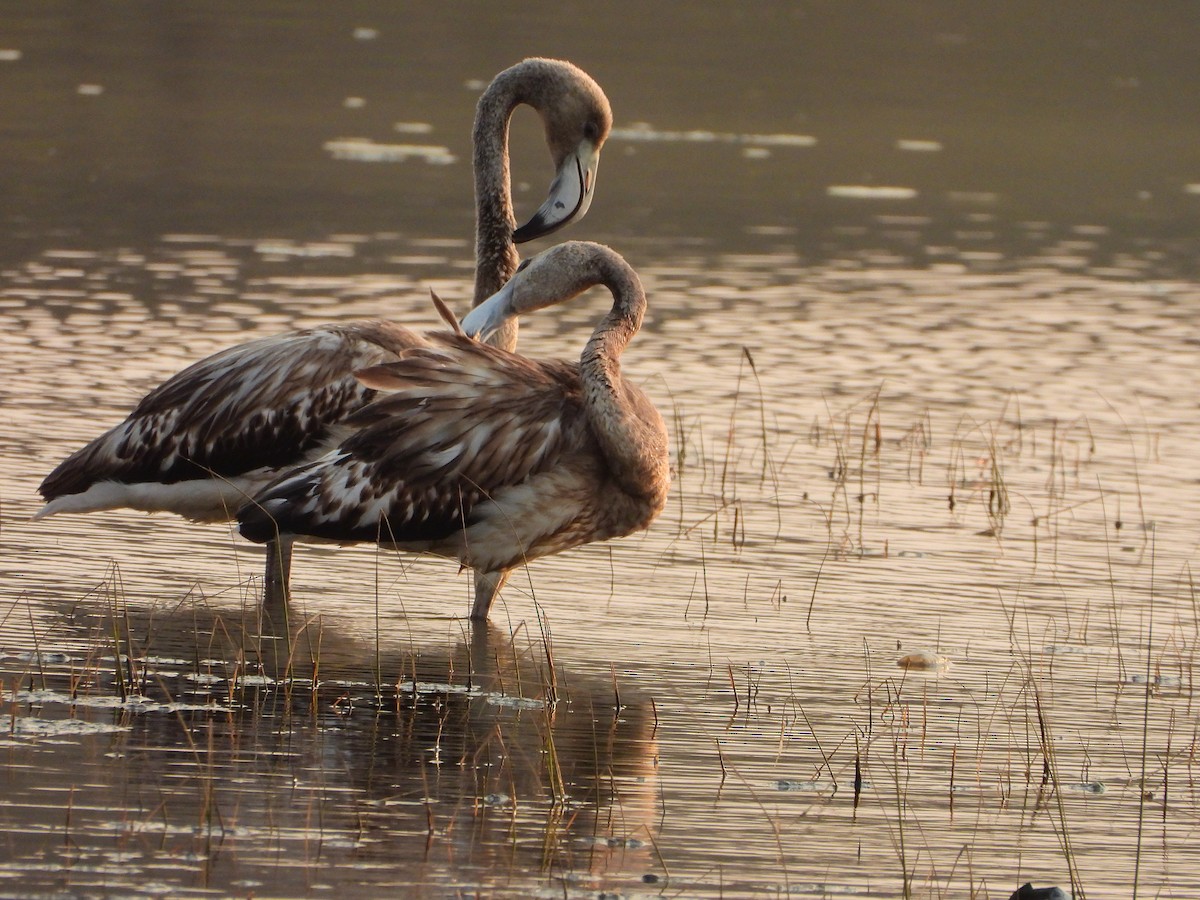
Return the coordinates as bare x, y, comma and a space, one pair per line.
643, 131
367, 150
870, 192
31, 727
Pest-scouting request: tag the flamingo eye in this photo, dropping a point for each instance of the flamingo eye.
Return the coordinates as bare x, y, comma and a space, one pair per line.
591, 131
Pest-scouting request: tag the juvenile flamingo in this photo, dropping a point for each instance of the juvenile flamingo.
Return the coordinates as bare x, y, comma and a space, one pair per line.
485, 456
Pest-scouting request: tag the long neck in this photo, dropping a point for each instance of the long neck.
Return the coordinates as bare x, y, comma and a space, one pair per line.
630, 431
495, 254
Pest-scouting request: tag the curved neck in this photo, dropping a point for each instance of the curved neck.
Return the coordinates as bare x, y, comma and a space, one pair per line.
628, 428
495, 254
601, 357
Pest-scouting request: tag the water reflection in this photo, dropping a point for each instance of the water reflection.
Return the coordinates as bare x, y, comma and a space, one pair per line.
232, 755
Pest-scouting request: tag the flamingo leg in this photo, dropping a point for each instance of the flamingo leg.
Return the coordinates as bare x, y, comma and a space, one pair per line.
276, 576
274, 636
487, 586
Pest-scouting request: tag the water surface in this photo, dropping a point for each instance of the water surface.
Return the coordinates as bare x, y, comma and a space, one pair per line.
927, 348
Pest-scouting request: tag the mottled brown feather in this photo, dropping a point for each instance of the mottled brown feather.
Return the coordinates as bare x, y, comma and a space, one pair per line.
265, 404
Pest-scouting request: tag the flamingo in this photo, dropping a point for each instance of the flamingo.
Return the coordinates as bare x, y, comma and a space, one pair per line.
485, 456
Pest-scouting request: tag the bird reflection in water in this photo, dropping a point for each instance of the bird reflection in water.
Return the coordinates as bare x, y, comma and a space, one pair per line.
324, 746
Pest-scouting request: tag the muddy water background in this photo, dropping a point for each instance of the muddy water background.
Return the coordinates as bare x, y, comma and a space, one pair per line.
923, 319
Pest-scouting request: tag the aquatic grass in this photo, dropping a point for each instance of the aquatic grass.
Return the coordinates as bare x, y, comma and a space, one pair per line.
906, 867
729, 460
553, 767
680, 436
550, 673
1052, 783
1137, 855
871, 437
768, 469
998, 504
1119, 523
792, 701
725, 470
1050, 793
988, 481
917, 441
37, 647
118, 615
855, 434
617, 704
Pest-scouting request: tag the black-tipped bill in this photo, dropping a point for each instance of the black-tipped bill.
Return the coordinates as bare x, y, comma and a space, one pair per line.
570, 195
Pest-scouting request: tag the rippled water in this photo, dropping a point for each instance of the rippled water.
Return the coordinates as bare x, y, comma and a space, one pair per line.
921, 605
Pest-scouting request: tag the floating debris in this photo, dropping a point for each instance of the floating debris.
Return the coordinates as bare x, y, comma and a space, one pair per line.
42, 659
778, 140
367, 150
354, 103
784, 784
924, 662
153, 660
428, 687
413, 127
90, 90
870, 192
611, 842
9, 55
315, 250
203, 678
134, 702
365, 34
256, 680
770, 230
514, 702
645, 132
34, 727
919, 146
1156, 680
1074, 648
190, 239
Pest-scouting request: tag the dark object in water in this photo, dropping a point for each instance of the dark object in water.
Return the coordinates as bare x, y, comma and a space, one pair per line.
1028, 892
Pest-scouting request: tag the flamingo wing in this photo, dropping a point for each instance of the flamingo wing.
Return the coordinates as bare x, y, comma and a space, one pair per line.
457, 421
261, 405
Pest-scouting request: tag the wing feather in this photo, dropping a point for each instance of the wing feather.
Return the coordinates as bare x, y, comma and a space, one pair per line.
263, 404
459, 422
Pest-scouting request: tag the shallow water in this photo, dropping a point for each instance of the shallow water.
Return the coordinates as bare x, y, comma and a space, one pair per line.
930, 372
